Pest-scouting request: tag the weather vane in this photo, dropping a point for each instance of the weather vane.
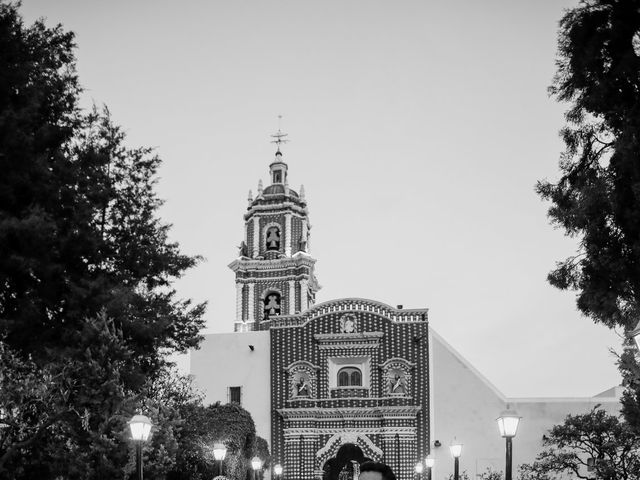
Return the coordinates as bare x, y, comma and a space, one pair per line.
279, 136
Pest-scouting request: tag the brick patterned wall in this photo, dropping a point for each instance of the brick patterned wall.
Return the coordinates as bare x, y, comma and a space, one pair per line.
397, 426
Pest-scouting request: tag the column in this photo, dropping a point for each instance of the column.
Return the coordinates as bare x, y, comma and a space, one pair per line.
309, 448
292, 297
305, 234
304, 294
251, 315
256, 236
239, 303
287, 235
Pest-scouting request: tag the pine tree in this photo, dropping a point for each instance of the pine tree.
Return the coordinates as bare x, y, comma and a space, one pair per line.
86, 265
597, 198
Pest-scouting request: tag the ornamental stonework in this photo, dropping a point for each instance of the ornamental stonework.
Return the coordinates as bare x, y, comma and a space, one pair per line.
397, 375
348, 323
302, 380
312, 413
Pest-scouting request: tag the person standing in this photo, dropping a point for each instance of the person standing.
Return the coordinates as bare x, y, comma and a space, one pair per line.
376, 471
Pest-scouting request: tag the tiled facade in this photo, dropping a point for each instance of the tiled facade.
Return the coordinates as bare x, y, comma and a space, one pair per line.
387, 414
348, 370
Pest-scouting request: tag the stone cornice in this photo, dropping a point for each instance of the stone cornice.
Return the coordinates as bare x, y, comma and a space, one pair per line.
348, 413
311, 433
397, 360
275, 208
245, 264
302, 363
284, 278
340, 340
343, 305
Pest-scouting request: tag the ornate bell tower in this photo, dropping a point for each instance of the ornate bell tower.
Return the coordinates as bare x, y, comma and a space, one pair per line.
274, 272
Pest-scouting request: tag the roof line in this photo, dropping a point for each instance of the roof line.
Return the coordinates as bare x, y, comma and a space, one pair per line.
468, 364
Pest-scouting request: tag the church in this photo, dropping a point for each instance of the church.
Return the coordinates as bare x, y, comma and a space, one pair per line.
317, 375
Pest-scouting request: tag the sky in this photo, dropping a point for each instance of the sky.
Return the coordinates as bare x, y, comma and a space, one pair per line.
418, 128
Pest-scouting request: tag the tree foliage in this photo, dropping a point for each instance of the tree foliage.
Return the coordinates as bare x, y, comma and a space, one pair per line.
594, 445
597, 198
463, 475
491, 474
67, 418
86, 272
630, 370
261, 450
206, 425
79, 227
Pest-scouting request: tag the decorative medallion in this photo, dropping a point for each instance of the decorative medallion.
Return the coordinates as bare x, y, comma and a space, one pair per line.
348, 323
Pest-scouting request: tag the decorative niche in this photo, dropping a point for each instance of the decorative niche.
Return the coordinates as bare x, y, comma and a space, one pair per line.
397, 377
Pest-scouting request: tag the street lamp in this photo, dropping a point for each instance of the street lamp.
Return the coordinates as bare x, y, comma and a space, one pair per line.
140, 426
277, 469
429, 462
256, 464
219, 452
456, 449
508, 424
419, 469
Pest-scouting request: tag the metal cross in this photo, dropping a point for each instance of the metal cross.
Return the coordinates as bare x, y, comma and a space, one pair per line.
279, 136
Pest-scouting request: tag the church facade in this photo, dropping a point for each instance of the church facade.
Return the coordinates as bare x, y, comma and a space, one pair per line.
350, 370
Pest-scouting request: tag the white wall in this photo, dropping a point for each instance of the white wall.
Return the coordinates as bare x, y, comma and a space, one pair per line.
466, 404
539, 415
225, 360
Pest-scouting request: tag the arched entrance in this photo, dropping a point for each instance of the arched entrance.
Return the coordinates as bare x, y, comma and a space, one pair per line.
330, 448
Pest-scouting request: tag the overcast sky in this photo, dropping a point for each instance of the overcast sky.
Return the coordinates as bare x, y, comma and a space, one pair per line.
418, 128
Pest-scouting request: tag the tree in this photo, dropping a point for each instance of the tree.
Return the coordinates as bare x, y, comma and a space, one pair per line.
32, 401
597, 198
206, 425
463, 475
594, 445
261, 450
86, 268
78, 214
630, 369
54, 412
491, 474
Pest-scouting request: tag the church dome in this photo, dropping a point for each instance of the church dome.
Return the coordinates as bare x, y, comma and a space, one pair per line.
278, 189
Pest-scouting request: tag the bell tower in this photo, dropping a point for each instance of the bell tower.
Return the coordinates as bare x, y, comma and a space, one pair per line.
274, 270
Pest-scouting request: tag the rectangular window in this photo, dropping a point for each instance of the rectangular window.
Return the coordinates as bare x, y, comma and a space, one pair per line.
235, 395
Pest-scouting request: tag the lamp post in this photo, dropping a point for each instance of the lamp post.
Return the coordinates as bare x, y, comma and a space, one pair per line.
277, 469
508, 425
140, 426
429, 462
419, 469
456, 449
256, 464
219, 452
